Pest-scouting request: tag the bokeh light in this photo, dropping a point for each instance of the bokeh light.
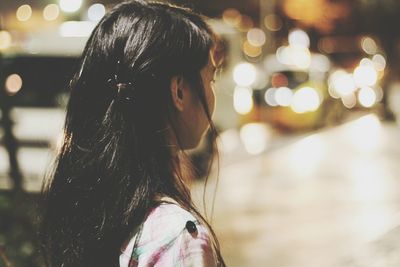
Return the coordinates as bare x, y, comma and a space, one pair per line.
297, 56
251, 50
269, 97
256, 37
283, 96
70, 6
231, 16
320, 63
299, 37
367, 97
369, 45
365, 75
96, 12
305, 99
379, 62
349, 100
244, 74
13, 84
51, 12
341, 83
245, 23
273, 22
243, 100
24, 13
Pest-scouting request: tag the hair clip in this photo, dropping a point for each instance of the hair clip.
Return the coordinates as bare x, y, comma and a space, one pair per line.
123, 89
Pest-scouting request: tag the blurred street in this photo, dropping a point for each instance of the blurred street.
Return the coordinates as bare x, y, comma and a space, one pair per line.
307, 106
328, 199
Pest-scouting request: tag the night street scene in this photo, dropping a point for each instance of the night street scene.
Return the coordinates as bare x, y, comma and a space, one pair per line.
307, 111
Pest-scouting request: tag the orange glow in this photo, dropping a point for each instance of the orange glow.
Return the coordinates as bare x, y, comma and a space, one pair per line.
250, 50
245, 24
231, 16
318, 13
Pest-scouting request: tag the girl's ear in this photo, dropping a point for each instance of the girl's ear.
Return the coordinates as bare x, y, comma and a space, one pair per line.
177, 87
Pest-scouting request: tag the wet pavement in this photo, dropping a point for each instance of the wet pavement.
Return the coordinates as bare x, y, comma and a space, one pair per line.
329, 199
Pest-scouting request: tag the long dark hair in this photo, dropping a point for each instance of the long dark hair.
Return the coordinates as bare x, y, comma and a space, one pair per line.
115, 158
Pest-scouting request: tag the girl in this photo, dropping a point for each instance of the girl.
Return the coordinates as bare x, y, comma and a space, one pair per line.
143, 95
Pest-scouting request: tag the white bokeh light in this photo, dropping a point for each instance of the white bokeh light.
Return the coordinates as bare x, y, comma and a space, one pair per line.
244, 74
341, 83
269, 97
283, 96
349, 101
243, 100
365, 75
70, 6
299, 37
96, 12
305, 99
367, 97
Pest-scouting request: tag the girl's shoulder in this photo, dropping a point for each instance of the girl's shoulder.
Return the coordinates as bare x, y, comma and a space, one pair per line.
170, 236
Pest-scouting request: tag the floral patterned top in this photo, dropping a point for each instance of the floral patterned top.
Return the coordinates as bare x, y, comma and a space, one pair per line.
170, 236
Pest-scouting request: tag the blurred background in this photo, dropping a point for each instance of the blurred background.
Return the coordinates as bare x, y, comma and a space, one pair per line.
308, 107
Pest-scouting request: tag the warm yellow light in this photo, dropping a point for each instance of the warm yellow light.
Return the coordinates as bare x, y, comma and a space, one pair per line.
96, 12
379, 62
256, 37
297, 56
255, 137
301, 57
24, 13
367, 97
250, 50
5, 40
305, 99
51, 12
13, 84
245, 23
273, 22
231, 16
243, 100
341, 83
244, 74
